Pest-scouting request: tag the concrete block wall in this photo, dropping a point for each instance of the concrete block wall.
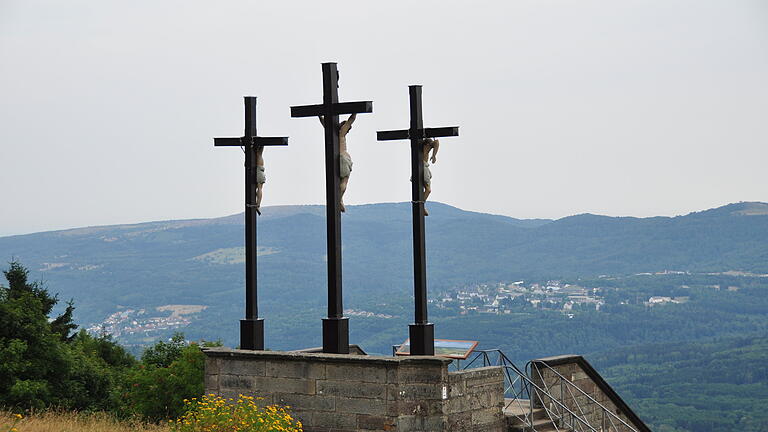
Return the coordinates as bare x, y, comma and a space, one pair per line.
577, 371
340, 393
476, 400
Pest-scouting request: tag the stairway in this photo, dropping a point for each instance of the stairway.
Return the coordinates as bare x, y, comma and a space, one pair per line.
516, 410
571, 394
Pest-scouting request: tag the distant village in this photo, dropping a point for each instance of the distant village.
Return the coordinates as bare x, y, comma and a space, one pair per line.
504, 298
486, 298
140, 322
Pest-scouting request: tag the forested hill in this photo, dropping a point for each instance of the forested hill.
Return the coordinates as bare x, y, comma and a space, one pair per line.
158, 277
200, 261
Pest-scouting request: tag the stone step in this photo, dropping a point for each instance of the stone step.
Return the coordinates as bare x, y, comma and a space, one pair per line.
540, 425
517, 409
522, 408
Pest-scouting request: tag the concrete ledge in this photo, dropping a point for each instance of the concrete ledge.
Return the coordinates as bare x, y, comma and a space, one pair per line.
223, 352
354, 392
353, 349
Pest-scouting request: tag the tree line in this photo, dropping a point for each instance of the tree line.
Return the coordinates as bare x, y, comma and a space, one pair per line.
45, 362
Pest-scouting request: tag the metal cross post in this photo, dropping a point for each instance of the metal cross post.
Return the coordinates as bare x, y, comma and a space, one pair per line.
252, 327
336, 326
421, 332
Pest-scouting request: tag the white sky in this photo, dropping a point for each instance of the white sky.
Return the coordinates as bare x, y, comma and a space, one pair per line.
653, 107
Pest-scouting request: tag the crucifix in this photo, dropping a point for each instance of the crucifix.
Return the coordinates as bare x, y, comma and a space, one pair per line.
336, 326
421, 332
252, 327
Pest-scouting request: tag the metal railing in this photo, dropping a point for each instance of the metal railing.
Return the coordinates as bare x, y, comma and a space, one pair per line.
526, 399
572, 395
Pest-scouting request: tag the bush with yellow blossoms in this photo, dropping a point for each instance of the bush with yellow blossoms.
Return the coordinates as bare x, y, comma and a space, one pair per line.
216, 414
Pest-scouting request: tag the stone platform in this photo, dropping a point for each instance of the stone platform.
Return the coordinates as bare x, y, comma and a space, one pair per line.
340, 393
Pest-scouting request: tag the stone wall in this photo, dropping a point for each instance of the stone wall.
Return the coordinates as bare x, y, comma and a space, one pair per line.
331, 392
475, 400
579, 372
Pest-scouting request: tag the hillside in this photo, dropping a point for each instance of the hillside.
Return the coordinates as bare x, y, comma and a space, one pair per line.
187, 275
704, 387
200, 261
178, 261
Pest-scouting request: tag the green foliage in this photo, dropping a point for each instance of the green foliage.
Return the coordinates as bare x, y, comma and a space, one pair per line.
41, 364
157, 392
698, 387
63, 325
19, 287
103, 348
162, 354
33, 357
169, 373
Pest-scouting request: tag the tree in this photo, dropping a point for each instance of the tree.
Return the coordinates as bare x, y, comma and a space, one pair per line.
162, 354
31, 357
41, 364
169, 373
63, 324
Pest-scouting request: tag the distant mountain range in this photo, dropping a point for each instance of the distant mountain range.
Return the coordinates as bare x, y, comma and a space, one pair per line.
697, 365
200, 261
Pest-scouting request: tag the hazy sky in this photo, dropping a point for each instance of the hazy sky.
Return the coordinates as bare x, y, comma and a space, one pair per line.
108, 109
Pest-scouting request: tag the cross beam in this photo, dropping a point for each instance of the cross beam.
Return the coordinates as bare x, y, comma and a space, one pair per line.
252, 327
336, 326
255, 141
340, 108
421, 332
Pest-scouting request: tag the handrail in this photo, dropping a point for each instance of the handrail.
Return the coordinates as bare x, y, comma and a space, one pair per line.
583, 393
557, 410
508, 365
530, 383
637, 424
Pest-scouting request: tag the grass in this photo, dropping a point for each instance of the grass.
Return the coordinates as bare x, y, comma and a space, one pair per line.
63, 421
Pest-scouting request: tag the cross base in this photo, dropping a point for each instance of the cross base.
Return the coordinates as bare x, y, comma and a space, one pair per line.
336, 335
422, 338
252, 334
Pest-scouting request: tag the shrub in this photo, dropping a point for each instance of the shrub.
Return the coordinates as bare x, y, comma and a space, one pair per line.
162, 354
214, 413
157, 393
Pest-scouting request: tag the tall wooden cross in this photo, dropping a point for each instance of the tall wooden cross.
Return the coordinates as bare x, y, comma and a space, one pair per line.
421, 332
252, 327
336, 326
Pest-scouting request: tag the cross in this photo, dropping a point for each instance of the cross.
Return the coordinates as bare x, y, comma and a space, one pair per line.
421, 332
252, 327
336, 326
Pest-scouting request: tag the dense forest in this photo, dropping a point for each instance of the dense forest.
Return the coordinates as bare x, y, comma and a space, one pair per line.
704, 386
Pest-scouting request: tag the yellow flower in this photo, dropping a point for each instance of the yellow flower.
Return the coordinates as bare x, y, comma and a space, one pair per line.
19, 416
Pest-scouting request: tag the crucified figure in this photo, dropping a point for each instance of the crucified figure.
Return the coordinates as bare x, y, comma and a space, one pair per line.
345, 160
428, 144
260, 178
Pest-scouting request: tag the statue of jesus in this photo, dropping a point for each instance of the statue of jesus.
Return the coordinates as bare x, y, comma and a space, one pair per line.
345, 160
428, 144
260, 178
